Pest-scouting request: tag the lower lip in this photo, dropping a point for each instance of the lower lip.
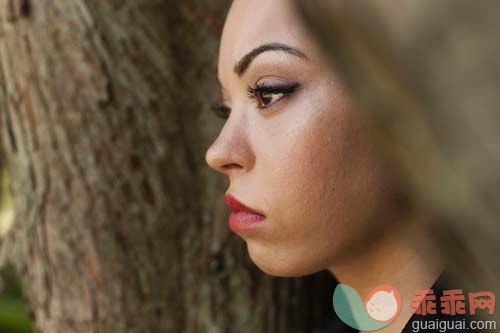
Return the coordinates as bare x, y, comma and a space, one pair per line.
243, 221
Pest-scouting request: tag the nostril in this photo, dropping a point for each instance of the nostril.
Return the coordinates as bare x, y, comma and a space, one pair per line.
231, 166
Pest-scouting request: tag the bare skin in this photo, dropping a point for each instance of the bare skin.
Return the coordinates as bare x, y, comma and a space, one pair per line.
304, 156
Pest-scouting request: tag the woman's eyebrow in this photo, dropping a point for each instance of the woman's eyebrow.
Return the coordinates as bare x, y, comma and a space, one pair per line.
247, 59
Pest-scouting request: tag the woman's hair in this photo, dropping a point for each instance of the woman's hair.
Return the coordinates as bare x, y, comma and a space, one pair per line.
428, 75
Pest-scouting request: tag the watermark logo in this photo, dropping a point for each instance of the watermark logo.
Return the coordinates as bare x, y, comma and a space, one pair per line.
383, 304
379, 308
452, 302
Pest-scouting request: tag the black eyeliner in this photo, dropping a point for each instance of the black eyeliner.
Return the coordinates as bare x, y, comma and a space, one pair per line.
274, 89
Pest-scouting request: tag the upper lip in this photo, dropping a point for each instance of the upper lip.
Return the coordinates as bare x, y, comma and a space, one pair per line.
236, 206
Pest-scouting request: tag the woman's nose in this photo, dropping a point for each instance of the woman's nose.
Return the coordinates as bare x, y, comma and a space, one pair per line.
231, 151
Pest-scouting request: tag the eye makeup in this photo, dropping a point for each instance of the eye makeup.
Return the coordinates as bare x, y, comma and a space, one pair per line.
266, 94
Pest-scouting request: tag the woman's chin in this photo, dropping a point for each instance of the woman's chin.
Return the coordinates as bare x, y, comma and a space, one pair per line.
274, 263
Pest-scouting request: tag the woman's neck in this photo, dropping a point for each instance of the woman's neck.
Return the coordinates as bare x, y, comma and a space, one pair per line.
405, 259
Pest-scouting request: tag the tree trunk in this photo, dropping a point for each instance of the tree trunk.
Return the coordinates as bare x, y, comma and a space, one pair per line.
119, 226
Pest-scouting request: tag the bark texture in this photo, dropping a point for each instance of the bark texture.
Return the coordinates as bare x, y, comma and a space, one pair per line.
119, 225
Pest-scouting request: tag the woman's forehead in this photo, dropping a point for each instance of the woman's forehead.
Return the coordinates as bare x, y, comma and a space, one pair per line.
251, 24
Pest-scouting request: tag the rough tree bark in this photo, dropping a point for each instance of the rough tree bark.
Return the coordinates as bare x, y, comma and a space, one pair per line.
119, 226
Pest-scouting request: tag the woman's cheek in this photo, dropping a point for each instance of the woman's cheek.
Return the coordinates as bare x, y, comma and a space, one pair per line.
303, 192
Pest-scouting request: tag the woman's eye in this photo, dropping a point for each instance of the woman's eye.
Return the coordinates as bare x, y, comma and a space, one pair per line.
221, 111
266, 98
268, 95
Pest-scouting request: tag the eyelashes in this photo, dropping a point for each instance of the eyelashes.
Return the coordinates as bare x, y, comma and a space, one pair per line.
264, 95
267, 95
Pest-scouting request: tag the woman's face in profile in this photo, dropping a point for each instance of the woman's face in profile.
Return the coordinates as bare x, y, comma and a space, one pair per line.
293, 146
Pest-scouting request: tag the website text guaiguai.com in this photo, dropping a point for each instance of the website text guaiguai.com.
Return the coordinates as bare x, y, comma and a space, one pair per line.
445, 325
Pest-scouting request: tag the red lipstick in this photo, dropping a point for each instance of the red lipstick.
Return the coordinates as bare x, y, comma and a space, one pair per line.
242, 217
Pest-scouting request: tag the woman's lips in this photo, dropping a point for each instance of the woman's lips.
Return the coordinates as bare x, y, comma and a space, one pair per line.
242, 217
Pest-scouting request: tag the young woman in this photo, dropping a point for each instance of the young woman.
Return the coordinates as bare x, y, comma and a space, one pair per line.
310, 189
